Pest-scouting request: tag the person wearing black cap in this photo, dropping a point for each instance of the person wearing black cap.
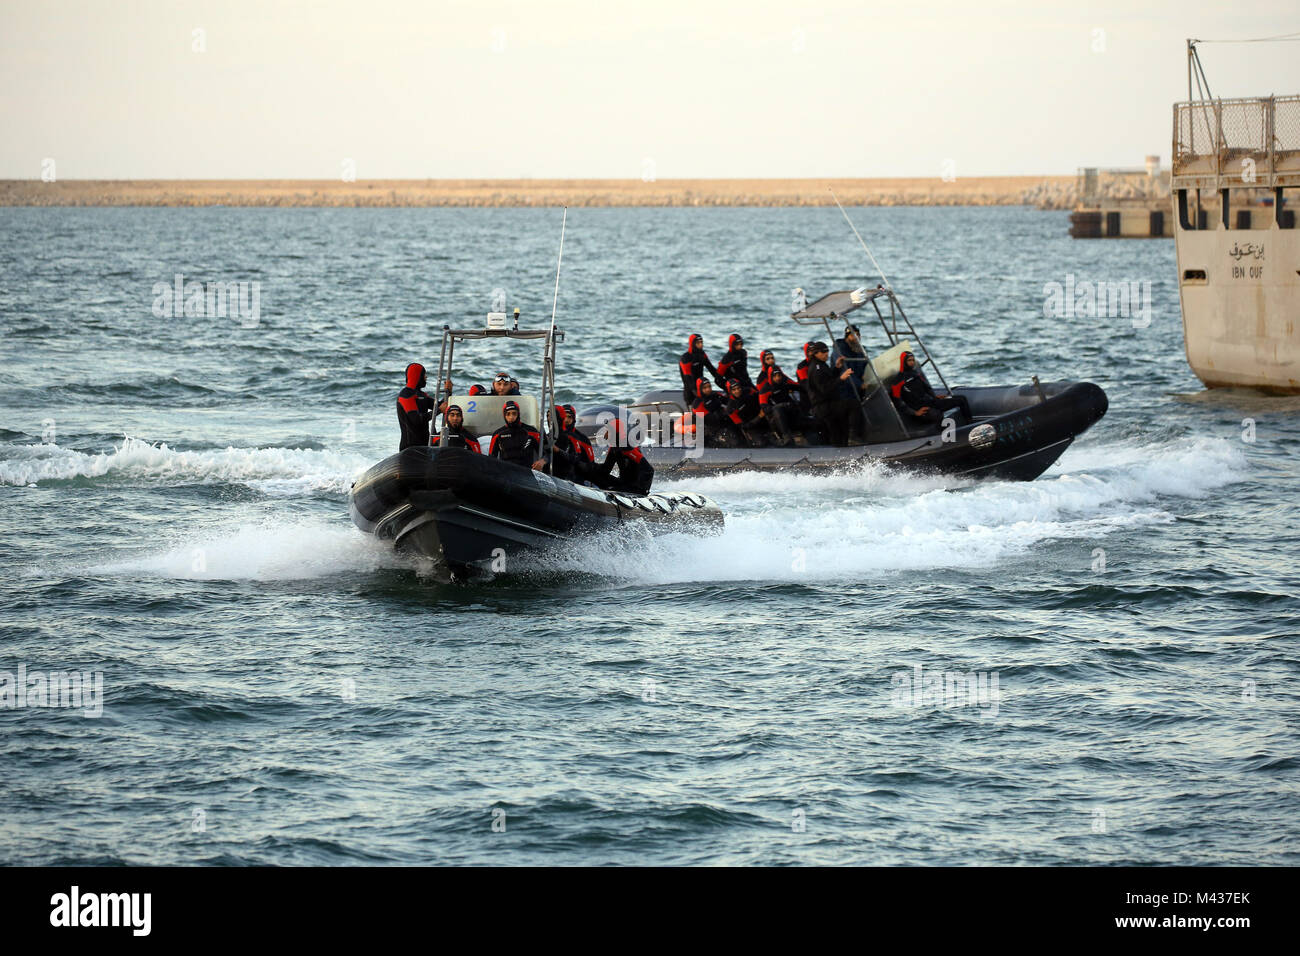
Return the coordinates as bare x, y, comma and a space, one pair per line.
841, 416
635, 473
850, 354
453, 426
735, 364
516, 442
692, 364
414, 408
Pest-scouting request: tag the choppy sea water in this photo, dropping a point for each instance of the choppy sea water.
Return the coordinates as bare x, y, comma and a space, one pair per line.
279, 689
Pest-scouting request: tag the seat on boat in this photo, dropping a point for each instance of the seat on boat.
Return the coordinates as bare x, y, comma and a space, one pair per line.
483, 412
886, 363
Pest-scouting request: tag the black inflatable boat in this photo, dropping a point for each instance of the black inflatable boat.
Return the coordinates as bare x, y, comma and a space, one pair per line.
1015, 433
470, 513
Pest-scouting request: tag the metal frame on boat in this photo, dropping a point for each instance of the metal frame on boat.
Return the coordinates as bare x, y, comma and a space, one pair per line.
550, 338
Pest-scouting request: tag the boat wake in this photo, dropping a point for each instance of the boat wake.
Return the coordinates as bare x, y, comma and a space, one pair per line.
868, 522
276, 472
873, 522
269, 550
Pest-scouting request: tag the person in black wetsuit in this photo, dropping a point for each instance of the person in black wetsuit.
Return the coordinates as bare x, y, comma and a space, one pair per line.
746, 413
916, 400
574, 458
454, 428
635, 474
503, 384
766, 362
855, 358
711, 414
801, 370
735, 364
516, 442
414, 409
841, 416
692, 364
778, 400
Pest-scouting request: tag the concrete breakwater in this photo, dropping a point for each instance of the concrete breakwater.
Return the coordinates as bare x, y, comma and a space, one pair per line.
1052, 192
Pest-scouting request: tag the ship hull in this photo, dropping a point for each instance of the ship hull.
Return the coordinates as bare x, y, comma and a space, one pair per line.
1239, 290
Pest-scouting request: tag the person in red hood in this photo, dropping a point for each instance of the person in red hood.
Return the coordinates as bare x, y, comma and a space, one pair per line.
779, 402
414, 409
710, 410
766, 362
692, 364
735, 364
635, 474
746, 413
916, 400
574, 458
801, 370
516, 442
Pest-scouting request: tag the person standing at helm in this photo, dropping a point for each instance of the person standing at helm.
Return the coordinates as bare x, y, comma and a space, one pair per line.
414, 409
854, 355
735, 364
454, 428
516, 442
842, 416
692, 364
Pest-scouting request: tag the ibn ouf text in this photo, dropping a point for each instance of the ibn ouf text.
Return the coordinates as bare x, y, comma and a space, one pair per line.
72, 690
922, 689
76, 908
237, 299
1071, 299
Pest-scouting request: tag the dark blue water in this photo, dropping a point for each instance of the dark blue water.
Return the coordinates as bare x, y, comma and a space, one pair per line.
279, 689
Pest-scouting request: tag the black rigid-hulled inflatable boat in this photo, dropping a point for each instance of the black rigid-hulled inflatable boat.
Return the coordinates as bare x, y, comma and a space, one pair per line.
467, 512
1016, 434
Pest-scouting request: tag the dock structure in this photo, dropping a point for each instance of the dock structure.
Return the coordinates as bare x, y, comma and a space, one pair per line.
1122, 203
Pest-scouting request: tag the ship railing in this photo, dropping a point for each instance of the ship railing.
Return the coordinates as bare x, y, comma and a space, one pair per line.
1251, 142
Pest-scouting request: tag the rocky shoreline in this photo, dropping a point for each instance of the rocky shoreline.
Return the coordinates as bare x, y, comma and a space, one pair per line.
1052, 192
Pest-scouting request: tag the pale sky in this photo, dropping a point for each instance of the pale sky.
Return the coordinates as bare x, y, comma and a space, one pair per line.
553, 88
